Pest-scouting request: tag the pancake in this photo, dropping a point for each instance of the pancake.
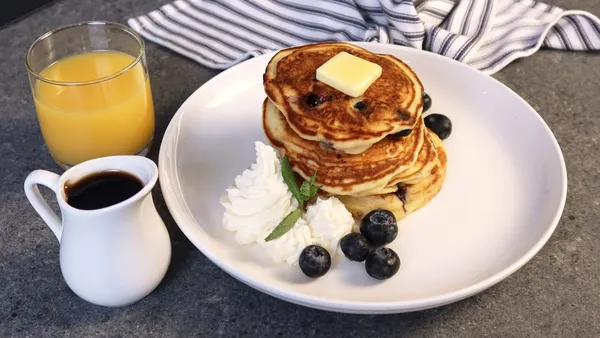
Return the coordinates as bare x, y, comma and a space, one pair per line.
424, 165
318, 112
422, 168
341, 173
409, 197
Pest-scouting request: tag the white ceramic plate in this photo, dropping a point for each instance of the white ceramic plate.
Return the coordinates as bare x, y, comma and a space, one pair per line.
504, 192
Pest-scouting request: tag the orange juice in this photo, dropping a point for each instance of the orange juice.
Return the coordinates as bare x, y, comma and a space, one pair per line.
105, 114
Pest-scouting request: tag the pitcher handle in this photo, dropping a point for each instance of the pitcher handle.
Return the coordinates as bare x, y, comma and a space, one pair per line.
38, 202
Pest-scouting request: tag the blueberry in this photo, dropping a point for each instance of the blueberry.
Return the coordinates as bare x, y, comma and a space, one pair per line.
403, 133
360, 105
426, 102
439, 124
355, 246
379, 227
312, 100
314, 261
382, 263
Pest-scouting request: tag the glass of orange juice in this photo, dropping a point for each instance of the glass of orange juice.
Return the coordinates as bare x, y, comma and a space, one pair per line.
91, 92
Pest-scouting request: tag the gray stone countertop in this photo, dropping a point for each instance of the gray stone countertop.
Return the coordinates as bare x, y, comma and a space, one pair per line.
556, 294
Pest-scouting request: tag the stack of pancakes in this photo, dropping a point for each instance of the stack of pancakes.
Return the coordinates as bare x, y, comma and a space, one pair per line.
372, 151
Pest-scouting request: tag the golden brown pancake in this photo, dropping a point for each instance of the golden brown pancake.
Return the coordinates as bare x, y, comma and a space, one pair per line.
318, 112
341, 173
425, 162
409, 197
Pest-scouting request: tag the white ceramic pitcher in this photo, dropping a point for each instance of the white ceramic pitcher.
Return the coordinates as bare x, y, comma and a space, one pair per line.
112, 256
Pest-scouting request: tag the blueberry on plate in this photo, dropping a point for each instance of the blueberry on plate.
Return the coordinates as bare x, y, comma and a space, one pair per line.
355, 246
314, 261
382, 263
439, 124
426, 102
379, 227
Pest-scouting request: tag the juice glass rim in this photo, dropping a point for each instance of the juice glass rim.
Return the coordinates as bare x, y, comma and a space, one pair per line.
124, 28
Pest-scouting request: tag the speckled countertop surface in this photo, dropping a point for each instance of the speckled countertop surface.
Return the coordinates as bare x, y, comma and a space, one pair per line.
556, 294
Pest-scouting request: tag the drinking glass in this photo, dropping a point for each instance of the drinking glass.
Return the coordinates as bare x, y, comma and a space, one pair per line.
91, 91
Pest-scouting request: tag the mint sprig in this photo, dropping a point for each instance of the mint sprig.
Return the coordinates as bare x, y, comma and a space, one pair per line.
302, 194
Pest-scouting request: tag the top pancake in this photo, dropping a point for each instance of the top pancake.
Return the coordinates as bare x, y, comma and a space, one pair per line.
318, 112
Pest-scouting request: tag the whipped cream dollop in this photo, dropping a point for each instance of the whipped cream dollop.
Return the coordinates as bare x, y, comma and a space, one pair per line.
258, 201
328, 221
256, 204
259, 198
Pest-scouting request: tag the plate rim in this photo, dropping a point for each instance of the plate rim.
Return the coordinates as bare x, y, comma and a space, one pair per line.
181, 213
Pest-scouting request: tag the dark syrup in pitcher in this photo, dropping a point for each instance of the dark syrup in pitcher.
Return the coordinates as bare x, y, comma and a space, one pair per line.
102, 189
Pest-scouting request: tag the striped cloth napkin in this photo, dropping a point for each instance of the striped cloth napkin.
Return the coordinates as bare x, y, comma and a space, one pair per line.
486, 34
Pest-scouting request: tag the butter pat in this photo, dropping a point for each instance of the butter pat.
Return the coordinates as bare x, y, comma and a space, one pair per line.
349, 74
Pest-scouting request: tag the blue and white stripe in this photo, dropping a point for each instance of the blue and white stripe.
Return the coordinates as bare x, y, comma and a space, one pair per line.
486, 34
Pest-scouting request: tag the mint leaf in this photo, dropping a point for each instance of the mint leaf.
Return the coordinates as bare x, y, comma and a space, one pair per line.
305, 190
312, 178
308, 189
286, 224
314, 189
290, 179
